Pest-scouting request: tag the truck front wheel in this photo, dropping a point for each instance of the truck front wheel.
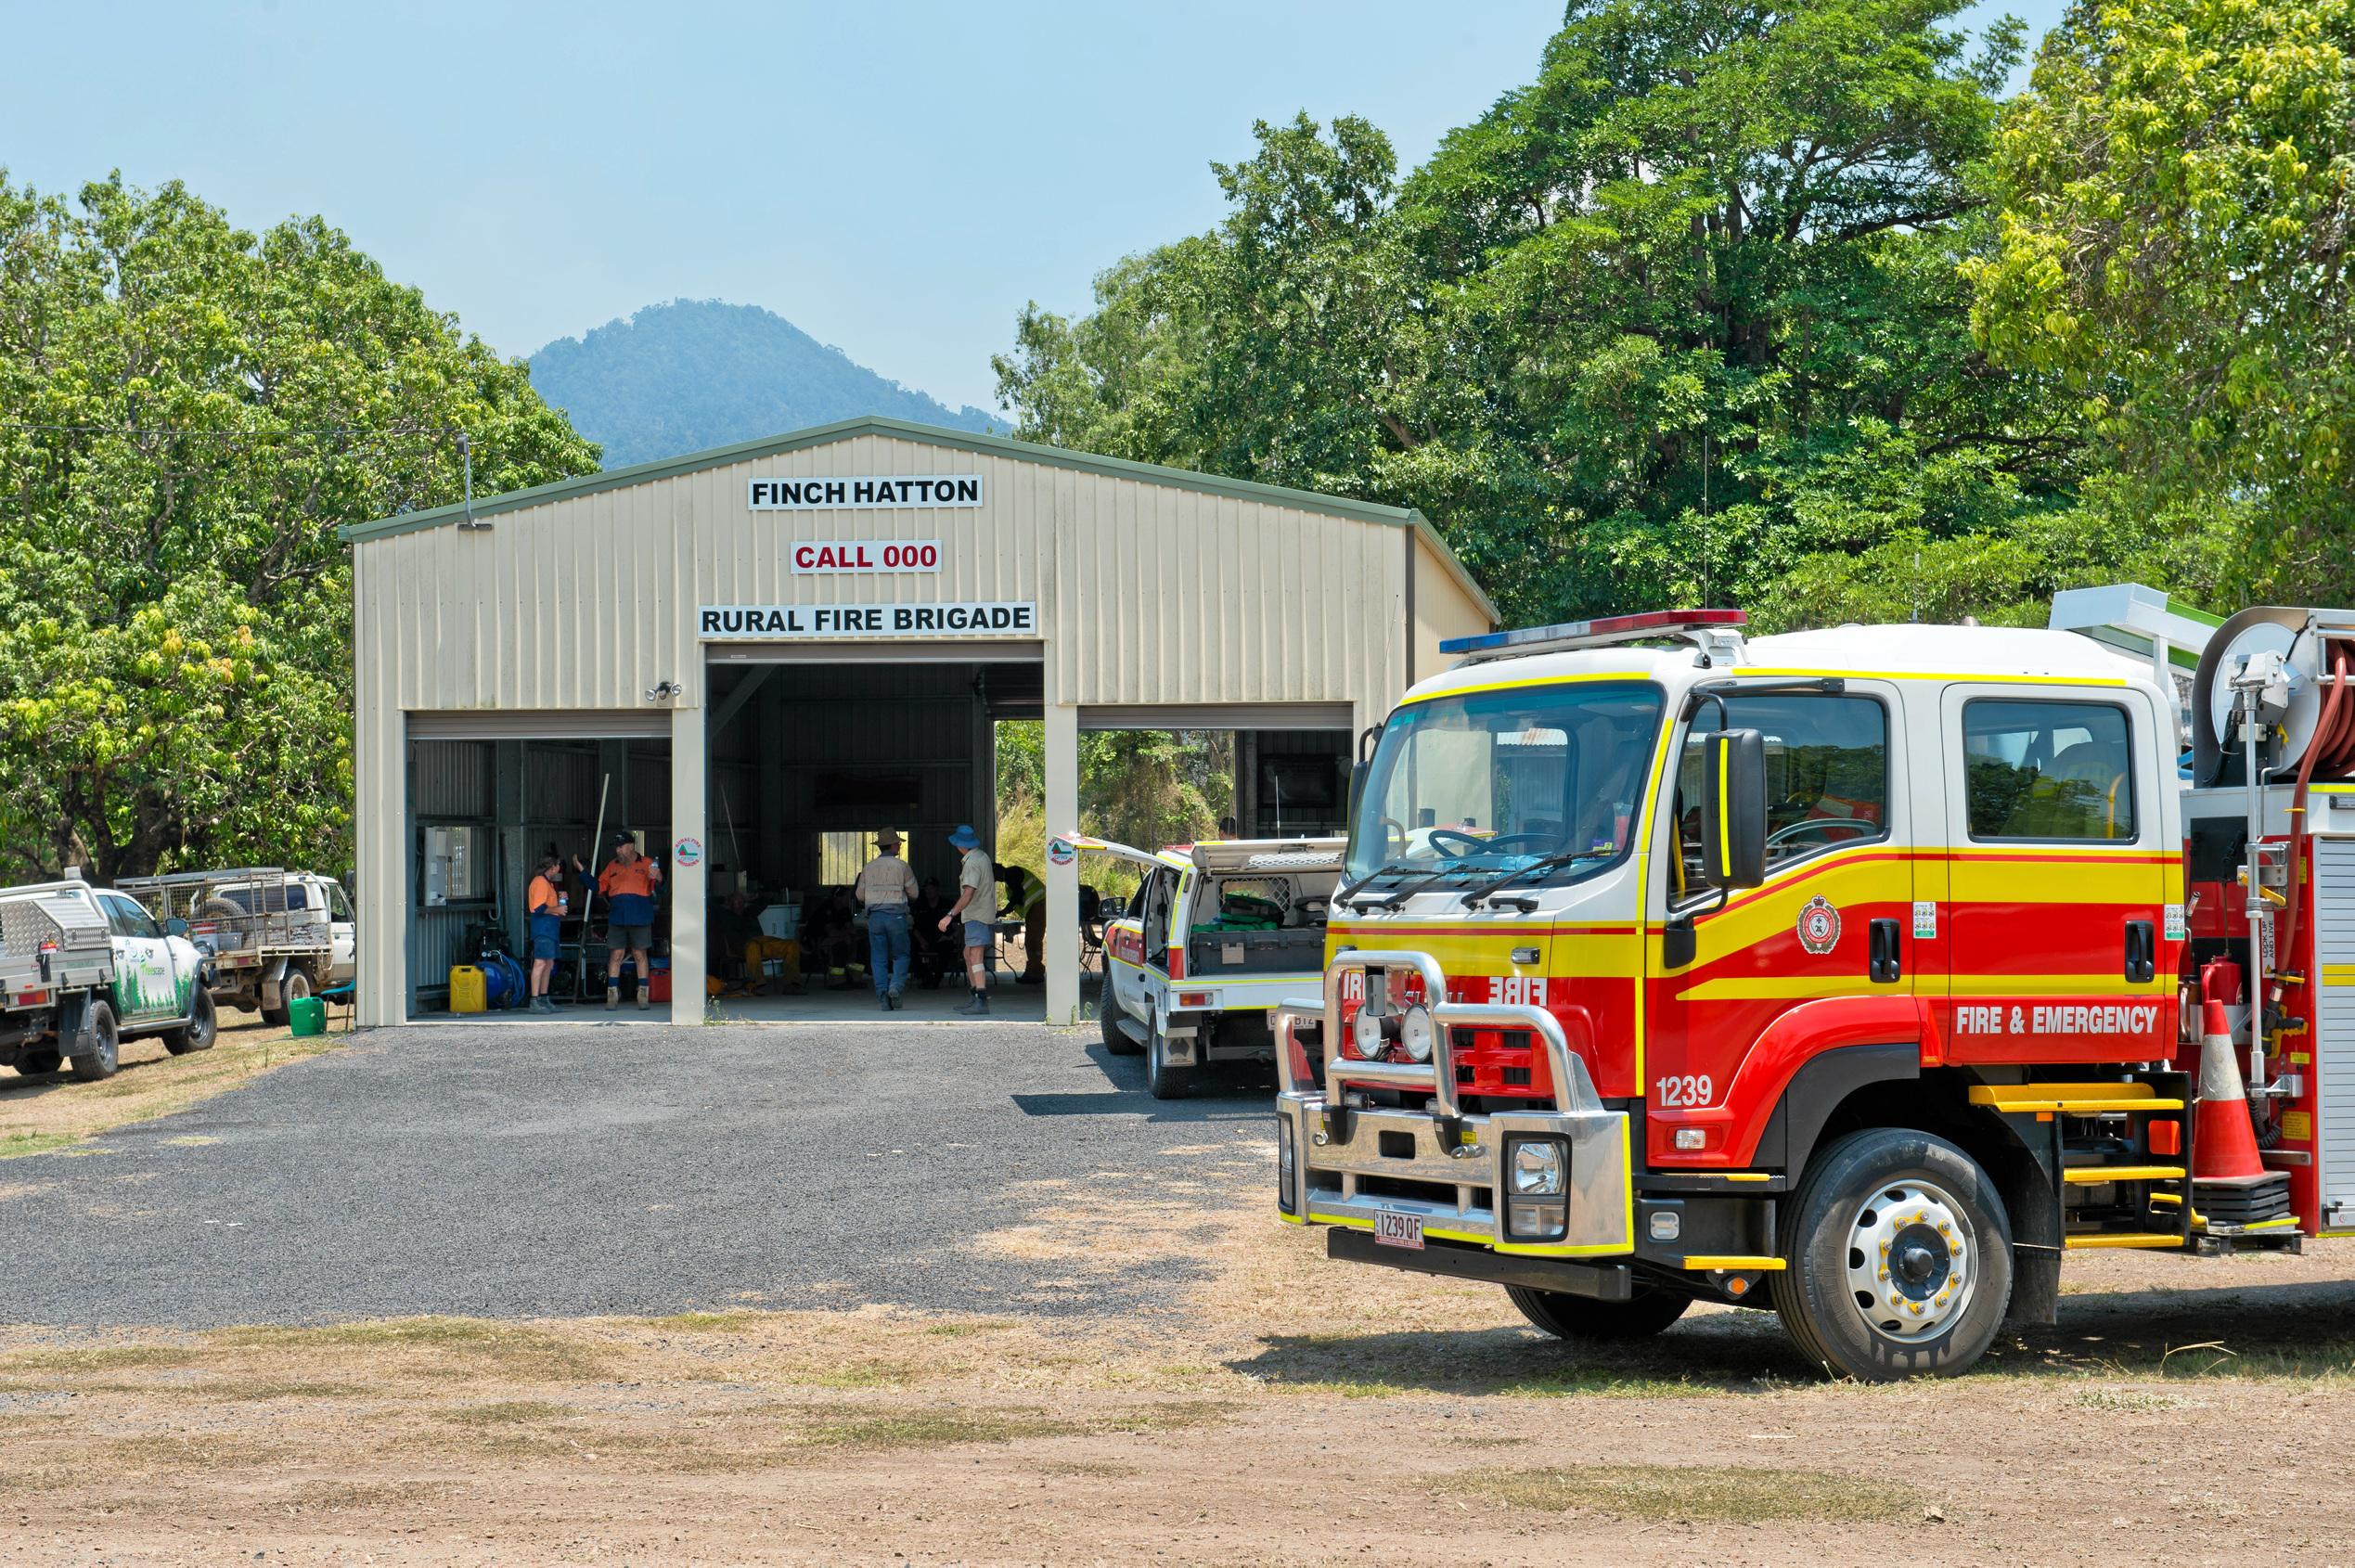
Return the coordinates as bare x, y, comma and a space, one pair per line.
1108, 1015
1899, 1258
1580, 1318
104, 1053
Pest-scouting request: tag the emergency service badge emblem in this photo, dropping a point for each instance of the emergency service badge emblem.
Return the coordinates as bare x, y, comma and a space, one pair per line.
1818, 925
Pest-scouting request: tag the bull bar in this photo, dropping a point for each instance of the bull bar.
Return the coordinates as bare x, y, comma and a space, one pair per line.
1437, 1165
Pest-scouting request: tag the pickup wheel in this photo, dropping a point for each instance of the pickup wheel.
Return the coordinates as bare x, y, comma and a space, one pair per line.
200, 1031
1901, 1258
1165, 1081
1109, 1013
106, 1047
292, 989
34, 1064
1583, 1319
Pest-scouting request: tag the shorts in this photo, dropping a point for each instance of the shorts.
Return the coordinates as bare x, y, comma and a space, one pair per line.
979, 934
630, 938
543, 937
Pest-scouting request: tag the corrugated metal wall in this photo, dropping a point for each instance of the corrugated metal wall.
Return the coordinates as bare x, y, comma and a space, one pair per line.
1147, 593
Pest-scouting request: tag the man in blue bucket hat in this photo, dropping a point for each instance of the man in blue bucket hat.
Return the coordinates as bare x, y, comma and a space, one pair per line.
975, 880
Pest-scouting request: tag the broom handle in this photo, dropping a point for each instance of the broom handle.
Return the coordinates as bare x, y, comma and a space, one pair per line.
588, 899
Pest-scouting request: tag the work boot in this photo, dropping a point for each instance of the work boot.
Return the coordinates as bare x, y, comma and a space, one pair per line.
978, 1007
890, 1000
645, 997
883, 1000
612, 997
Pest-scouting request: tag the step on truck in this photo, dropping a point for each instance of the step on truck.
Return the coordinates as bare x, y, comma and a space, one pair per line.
273, 936
1219, 934
82, 969
1863, 974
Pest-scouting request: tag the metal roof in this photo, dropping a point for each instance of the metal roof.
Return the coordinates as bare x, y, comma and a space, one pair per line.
932, 435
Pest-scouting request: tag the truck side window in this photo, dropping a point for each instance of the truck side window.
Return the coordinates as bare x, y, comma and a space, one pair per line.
126, 919
1827, 775
2048, 769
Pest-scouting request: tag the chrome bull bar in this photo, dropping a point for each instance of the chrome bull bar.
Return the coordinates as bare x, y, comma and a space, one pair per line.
1455, 1158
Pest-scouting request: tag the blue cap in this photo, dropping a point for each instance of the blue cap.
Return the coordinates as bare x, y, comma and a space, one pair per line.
965, 838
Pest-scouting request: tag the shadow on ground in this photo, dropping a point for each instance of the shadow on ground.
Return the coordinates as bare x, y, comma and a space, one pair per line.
2295, 1331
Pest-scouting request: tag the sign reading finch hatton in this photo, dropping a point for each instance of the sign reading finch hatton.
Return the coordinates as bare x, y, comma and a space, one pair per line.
865, 492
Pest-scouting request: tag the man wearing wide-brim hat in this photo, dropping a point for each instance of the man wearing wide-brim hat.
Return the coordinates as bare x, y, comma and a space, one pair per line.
885, 886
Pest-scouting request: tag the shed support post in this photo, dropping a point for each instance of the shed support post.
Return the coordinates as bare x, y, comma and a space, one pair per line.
685, 883
382, 836
1061, 742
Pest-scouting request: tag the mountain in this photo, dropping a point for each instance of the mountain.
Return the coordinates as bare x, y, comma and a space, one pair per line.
697, 373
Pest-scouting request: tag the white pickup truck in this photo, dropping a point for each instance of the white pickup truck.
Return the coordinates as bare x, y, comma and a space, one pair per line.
82, 969
1217, 934
273, 936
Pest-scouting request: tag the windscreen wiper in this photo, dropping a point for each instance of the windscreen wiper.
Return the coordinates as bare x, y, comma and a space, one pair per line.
1473, 897
1346, 894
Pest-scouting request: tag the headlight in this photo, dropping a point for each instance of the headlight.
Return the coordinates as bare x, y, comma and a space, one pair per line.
1537, 1168
1365, 1033
1416, 1031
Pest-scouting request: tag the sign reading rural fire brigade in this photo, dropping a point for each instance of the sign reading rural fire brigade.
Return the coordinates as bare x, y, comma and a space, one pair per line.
865, 492
771, 623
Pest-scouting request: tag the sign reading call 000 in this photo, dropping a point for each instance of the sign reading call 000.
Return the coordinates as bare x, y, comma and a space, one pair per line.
865, 492
772, 622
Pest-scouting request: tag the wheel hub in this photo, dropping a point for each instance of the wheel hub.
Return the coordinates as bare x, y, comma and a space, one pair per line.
1911, 1270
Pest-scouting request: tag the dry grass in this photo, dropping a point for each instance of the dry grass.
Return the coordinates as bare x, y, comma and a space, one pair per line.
55, 1111
1696, 1494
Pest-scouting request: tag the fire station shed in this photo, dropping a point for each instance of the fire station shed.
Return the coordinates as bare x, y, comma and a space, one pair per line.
755, 659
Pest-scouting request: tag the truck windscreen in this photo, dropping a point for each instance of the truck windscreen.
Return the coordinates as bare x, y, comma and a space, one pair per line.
1484, 781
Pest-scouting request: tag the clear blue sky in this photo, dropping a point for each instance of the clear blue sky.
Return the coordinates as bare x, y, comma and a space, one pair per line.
894, 179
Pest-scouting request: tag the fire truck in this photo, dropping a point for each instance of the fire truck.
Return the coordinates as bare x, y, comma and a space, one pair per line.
1863, 974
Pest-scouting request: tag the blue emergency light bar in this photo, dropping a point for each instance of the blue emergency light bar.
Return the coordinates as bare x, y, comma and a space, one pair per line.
1594, 633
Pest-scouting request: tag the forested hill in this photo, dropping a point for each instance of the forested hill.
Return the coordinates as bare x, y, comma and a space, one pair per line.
698, 373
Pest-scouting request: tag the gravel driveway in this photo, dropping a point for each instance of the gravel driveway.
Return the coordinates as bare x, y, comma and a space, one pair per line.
556, 1171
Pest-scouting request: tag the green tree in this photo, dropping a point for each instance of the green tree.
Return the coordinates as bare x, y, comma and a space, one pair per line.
1675, 320
2174, 249
191, 411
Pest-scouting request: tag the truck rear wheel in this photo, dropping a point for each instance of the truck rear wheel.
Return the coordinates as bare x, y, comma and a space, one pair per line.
200, 1032
292, 989
1165, 1081
1109, 1013
1584, 1319
105, 1052
1899, 1258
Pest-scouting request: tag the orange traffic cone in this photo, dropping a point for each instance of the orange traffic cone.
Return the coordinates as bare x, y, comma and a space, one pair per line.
2224, 1142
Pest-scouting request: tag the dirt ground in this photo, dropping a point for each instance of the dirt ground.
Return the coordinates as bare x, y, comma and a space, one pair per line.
1288, 1410
54, 1110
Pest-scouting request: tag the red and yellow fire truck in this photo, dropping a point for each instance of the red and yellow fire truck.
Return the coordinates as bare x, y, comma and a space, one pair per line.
1864, 973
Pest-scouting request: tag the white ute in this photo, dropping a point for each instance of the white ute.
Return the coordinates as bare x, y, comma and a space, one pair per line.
82, 969
273, 936
1217, 934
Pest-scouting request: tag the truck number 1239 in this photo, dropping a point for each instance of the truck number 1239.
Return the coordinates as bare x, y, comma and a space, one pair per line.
1691, 1089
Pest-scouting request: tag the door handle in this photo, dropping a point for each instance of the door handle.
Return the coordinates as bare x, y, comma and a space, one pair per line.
2142, 951
1885, 965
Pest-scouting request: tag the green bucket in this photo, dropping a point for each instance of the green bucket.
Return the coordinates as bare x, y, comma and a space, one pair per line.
307, 1015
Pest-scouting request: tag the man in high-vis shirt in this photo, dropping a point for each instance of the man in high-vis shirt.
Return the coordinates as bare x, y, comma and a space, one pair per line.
628, 883
885, 887
546, 903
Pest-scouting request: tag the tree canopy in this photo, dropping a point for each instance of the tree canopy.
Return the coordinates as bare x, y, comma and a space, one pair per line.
192, 409
1680, 318
2173, 249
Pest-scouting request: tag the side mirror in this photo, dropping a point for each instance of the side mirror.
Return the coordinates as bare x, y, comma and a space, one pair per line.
176, 926
1733, 809
1357, 771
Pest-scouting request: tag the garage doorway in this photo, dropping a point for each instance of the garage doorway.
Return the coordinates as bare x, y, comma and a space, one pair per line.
486, 798
813, 755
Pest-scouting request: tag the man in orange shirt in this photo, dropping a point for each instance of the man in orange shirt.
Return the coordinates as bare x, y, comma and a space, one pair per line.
628, 883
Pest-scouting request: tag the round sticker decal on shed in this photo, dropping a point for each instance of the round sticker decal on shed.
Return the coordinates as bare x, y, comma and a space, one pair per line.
687, 851
1818, 925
